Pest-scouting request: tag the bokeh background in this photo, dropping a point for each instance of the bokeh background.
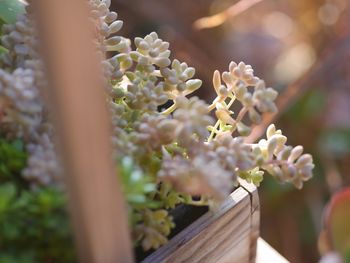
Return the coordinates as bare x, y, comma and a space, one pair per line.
301, 48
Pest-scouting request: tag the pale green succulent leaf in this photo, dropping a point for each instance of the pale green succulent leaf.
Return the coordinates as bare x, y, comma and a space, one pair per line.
10, 9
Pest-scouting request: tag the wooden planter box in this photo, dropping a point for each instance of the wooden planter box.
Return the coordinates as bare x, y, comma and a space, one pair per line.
228, 235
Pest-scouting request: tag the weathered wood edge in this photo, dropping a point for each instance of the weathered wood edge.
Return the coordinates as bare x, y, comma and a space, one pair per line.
189, 233
255, 217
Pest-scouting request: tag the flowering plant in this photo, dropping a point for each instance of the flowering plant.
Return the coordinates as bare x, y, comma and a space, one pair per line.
167, 155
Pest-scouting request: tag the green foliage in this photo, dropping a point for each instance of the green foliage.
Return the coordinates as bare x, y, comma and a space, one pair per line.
337, 222
33, 223
137, 187
151, 224
2, 50
34, 226
335, 142
347, 256
10, 9
254, 176
308, 106
167, 156
12, 159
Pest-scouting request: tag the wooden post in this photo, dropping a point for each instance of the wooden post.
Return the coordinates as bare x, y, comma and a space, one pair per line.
76, 92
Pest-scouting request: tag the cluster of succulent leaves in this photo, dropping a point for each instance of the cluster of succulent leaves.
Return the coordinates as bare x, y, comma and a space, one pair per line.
166, 155
180, 151
9, 10
33, 224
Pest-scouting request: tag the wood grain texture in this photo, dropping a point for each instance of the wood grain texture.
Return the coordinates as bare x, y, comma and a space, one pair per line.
82, 125
255, 217
225, 236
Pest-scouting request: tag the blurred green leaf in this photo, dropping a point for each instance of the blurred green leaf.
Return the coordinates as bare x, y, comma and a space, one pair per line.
137, 186
308, 106
307, 227
3, 50
7, 193
23, 257
347, 256
273, 189
13, 159
34, 225
335, 142
338, 221
10, 9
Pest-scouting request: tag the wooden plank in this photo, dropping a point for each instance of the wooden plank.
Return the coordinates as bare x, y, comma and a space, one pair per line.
220, 236
255, 216
81, 121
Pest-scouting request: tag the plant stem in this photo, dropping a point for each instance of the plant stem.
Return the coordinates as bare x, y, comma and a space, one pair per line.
233, 98
216, 126
213, 131
212, 106
241, 114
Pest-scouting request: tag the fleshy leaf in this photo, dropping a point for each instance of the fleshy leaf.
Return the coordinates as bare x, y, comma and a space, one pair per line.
10, 9
3, 50
337, 222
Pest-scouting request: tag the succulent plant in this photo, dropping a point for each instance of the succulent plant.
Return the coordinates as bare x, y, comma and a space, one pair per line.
334, 241
166, 156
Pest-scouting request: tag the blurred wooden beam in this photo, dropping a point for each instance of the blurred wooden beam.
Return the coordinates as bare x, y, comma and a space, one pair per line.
76, 91
220, 18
